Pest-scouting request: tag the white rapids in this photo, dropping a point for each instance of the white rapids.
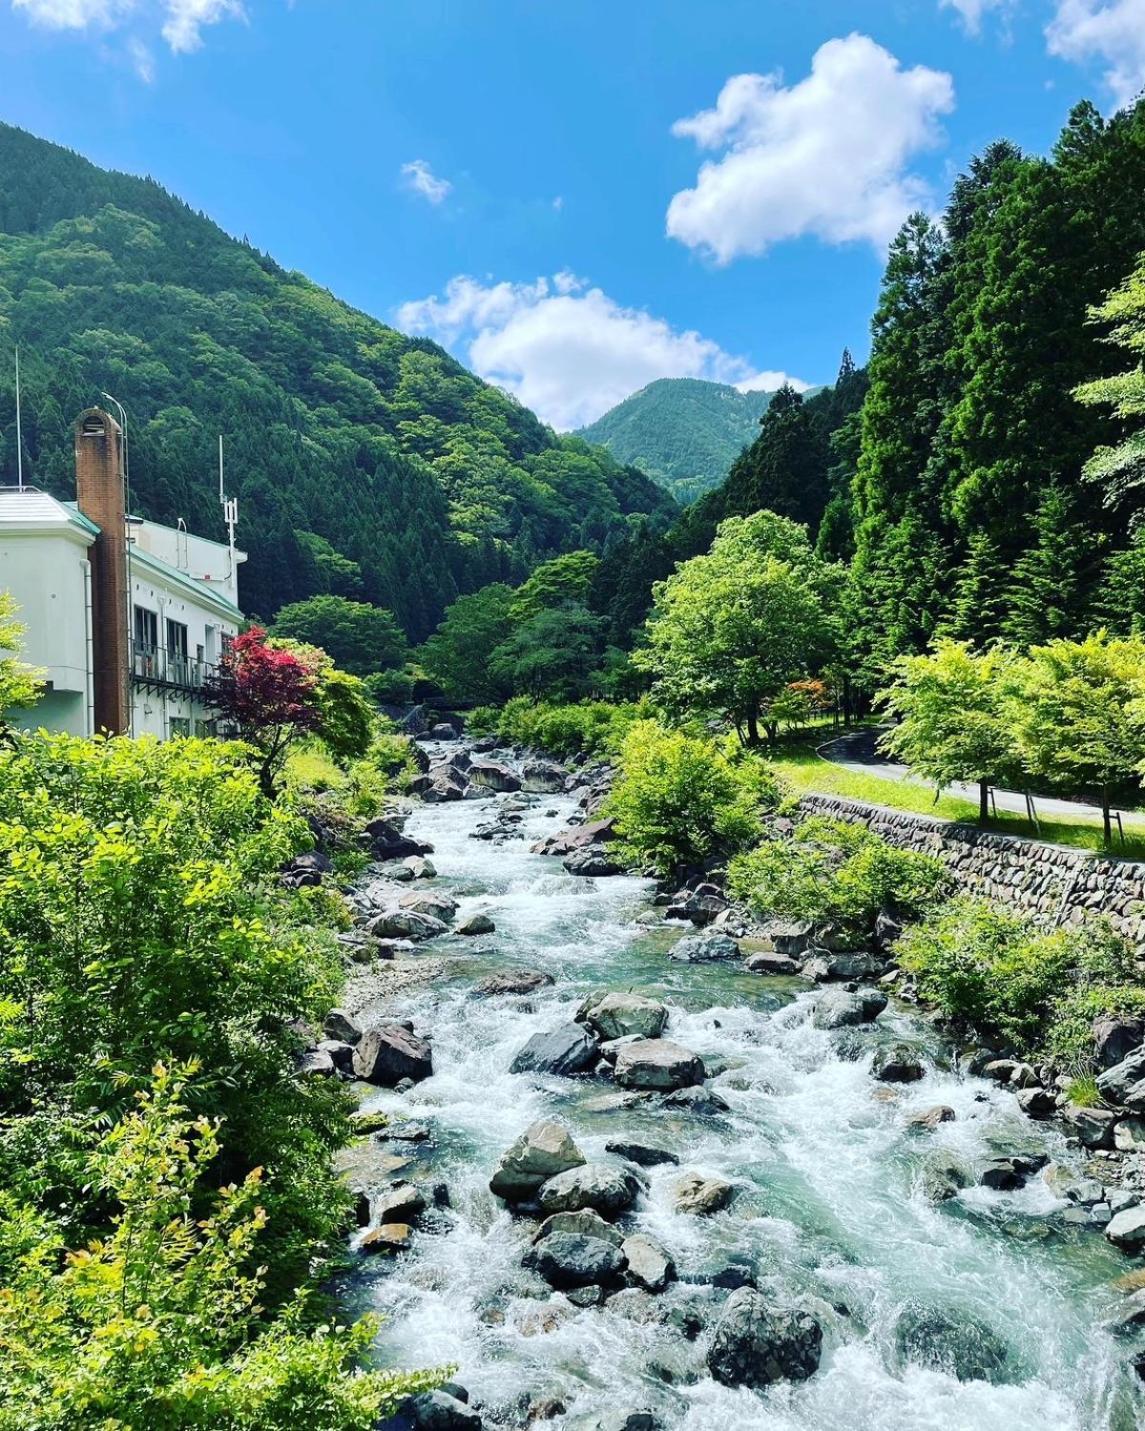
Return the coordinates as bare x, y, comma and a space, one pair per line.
830, 1208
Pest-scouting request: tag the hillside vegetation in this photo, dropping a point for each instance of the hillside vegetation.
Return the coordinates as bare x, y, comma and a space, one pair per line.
369, 464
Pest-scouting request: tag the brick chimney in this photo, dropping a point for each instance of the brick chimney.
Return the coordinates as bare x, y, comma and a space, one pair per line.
99, 493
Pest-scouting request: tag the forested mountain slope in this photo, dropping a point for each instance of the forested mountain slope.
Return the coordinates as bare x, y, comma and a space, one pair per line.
684, 432
368, 463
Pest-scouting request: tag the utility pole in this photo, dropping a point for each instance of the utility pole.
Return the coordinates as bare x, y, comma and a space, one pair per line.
19, 430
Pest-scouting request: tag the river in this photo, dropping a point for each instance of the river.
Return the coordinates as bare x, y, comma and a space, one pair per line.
831, 1204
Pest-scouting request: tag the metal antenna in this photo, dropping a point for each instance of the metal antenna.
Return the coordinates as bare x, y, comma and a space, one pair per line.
19, 431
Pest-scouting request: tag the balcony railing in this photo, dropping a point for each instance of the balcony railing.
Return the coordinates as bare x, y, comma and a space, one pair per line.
156, 666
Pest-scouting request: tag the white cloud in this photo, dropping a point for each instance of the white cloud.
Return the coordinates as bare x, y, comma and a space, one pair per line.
973, 12
181, 22
565, 348
827, 156
1112, 32
422, 180
769, 380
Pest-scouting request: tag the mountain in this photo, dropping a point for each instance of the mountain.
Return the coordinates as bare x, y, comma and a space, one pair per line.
366, 463
684, 432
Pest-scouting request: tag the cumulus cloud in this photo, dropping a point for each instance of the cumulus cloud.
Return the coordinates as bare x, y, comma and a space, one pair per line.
1112, 33
827, 156
565, 348
422, 180
973, 12
181, 22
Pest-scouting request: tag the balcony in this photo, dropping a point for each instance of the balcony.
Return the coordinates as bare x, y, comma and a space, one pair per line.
160, 669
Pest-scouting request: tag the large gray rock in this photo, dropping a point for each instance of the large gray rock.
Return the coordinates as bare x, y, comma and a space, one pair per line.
592, 862
1124, 1083
568, 1259
440, 785
436, 905
788, 937
756, 1345
405, 924
703, 1101
1116, 1038
642, 1154
649, 1266
543, 776
386, 841
954, 1342
838, 1008
400, 1202
476, 924
1127, 1229
492, 776
704, 948
616, 1015
657, 1063
595, 832
541, 1152
696, 1194
897, 1065
438, 1411
772, 964
341, 1025
566, 1052
388, 1053
604, 1187
1094, 1126
1128, 1134
525, 982
584, 1223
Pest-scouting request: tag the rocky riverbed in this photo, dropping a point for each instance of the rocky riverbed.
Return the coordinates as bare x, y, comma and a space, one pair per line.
638, 1169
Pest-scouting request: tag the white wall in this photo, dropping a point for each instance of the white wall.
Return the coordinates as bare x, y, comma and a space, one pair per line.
48, 574
198, 557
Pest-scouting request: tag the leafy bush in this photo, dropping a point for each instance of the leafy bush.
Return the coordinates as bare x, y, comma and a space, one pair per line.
1036, 992
594, 728
157, 1324
834, 870
681, 800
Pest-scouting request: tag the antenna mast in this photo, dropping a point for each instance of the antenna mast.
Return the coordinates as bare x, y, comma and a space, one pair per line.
230, 506
19, 431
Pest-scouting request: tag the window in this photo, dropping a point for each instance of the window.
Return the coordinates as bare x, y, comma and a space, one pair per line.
146, 642
178, 667
180, 726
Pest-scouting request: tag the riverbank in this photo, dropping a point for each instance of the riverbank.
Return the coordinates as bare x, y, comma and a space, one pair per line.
950, 1288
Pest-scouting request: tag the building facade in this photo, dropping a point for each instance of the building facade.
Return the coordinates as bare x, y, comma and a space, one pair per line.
127, 617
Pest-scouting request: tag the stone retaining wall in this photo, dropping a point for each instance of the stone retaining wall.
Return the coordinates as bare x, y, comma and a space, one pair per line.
1054, 884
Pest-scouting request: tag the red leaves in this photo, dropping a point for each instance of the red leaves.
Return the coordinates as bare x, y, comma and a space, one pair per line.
258, 686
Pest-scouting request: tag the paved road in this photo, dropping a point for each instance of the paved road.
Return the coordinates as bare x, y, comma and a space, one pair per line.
858, 751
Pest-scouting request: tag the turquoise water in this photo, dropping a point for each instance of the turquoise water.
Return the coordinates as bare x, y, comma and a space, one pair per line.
829, 1209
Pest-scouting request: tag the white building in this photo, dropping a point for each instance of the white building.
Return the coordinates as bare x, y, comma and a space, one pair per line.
126, 617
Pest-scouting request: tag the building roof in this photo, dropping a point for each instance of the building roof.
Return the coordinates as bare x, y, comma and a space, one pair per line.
200, 591
30, 510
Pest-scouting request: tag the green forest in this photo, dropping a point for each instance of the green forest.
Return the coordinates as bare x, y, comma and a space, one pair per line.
368, 465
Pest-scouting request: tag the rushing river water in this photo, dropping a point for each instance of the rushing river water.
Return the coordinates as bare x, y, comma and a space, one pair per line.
830, 1207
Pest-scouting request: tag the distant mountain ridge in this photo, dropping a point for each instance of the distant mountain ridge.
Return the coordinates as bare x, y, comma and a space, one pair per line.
685, 433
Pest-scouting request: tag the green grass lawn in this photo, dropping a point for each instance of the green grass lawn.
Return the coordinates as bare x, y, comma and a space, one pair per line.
807, 773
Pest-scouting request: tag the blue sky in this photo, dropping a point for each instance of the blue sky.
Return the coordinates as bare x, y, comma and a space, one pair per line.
575, 198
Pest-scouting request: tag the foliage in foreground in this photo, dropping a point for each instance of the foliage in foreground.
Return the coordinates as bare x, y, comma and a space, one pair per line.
157, 1324
1034, 992
832, 870
681, 801
20, 685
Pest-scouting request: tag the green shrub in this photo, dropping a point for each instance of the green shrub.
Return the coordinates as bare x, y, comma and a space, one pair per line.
680, 800
594, 728
837, 871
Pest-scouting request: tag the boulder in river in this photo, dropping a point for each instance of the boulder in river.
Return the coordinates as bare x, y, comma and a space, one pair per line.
584, 1223
442, 784
1128, 1134
527, 981
704, 949
943, 1179
400, 1202
931, 1118
617, 1015
1037, 1103
434, 903
839, 1008
541, 1152
1005, 1174
493, 776
772, 964
657, 1064
476, 924
341, 1025
1124, 1083
787, 937
954, 1342
696, 1194
649, 1266
699, 907
405, 924
566, 1052
386, 1237
386, 841
642, 1154
1127, 1229
756, 1345
1094, 1126
594, 832
897, 1065
389, 1053
593, 861
604, 1187
1115, 1038
543, 776
705, 1102
569, 1259
435, 1411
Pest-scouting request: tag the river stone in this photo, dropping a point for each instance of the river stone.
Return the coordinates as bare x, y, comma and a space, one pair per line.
616, 1015
842, 966
1094, 1126
756, 1345
1007, 1173
386, 842
584, 1223
566, 1052
341, 1055
694, 1193
930, 1118
897, 1065
434, 903
315, 1063
419, 867
657, 1063
1010, 1071
649, 1266
1115, 1038
704, 949
476, 924
642, 1154
786, 937
526, 982
400, 1202
1037, 1103
1124, 1081
701, 1100
338, 1024
839, 1008
592, 862
389, 1053
440, 785
492, 776
1127, 1229
569, 1259
954, 1342
542, 1151
439, 1411
405, 924
771, 964
604, 1187
614, 1102
1129, 1135
543, 777
565, 841
389, 1237
943, 1179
